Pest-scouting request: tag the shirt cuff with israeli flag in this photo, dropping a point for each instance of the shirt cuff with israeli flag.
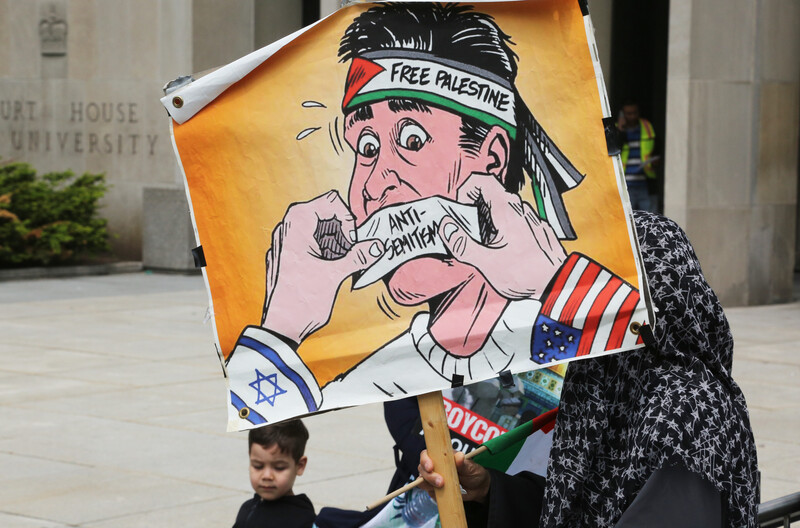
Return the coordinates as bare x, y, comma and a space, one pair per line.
268, 381
586, 310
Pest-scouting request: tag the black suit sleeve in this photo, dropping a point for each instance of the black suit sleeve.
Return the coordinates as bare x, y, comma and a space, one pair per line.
402, 419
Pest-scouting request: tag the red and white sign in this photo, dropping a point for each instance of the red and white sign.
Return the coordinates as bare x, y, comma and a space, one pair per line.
470, 425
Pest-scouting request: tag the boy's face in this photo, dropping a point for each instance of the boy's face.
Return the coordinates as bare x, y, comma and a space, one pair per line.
272, 471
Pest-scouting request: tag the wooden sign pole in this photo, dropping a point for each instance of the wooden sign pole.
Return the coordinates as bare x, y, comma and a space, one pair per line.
437, 440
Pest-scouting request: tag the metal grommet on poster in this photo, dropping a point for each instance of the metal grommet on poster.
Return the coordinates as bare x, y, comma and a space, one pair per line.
177, 101
244, 412
635, 327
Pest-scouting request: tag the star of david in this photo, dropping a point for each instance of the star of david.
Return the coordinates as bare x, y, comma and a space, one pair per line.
272, 379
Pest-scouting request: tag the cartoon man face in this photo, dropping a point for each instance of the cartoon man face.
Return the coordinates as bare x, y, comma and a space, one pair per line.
407, 151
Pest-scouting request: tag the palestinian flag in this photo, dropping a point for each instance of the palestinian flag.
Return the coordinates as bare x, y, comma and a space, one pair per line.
524, 448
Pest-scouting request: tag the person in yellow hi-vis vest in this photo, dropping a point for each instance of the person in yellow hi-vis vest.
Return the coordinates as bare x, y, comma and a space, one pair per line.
638, 142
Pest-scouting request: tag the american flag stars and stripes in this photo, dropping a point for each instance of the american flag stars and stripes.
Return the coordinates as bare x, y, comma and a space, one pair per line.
586, 309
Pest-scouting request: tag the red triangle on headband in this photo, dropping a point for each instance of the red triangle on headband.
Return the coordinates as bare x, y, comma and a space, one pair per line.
360, 73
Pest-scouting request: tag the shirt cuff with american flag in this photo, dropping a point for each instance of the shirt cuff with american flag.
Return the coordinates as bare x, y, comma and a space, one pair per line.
586, 309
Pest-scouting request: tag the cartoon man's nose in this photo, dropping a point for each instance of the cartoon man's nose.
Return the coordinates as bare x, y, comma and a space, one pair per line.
379, 183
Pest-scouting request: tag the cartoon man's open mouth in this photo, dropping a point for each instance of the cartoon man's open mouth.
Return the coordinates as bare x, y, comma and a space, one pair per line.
411, 230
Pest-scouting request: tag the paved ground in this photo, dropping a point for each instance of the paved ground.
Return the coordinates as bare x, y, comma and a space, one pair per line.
112, 409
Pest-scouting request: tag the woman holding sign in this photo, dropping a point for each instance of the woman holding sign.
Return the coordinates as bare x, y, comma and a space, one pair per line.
653, 437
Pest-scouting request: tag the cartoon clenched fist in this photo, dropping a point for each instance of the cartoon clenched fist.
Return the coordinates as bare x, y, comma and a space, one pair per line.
313, 252
521, 255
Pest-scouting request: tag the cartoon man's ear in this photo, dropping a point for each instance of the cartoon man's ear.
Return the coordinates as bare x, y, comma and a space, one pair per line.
496, 149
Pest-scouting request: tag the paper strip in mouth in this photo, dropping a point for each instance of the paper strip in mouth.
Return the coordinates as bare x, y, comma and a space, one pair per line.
411, 230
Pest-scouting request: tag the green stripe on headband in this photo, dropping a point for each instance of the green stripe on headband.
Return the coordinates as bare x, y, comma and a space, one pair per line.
437, 100
537, 194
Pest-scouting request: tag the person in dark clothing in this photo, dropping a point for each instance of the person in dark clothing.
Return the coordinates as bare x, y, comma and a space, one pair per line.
287, 512
654, 437
276, 460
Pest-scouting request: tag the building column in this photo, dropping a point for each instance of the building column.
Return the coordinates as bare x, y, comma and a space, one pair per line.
733, 116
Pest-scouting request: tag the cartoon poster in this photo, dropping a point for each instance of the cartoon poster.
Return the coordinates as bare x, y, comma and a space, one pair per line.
407, 197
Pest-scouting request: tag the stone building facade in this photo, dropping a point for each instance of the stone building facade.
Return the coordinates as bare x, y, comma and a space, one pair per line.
80, 82
733, 101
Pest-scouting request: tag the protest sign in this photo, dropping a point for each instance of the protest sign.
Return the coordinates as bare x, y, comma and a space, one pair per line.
405, 198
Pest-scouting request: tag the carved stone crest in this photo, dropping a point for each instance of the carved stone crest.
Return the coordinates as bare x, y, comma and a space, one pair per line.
53, 28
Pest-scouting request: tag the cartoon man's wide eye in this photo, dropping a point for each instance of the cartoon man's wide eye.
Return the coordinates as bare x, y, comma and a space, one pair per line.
368, 145
413, 137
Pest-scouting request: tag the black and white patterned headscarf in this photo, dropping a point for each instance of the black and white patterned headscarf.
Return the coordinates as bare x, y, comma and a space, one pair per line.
624, 416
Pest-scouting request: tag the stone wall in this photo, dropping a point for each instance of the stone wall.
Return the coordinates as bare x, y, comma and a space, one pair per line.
733, 115
326, 7
80, 83
79, 89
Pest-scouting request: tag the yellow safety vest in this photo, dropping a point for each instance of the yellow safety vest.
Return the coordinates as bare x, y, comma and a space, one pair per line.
647, 140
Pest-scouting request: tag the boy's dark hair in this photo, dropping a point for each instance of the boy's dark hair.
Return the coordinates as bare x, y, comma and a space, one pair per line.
290, 437
449, 31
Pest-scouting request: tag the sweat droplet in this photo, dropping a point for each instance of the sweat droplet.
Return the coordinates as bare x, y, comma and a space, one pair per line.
306, 132
313, 104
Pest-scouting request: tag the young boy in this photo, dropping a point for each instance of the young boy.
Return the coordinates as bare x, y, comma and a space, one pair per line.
276, 459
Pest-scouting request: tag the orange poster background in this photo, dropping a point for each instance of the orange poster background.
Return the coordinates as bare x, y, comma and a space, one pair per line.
244, 166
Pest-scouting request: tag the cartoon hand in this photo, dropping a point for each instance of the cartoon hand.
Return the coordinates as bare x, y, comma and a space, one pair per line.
523, 254
312, 253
